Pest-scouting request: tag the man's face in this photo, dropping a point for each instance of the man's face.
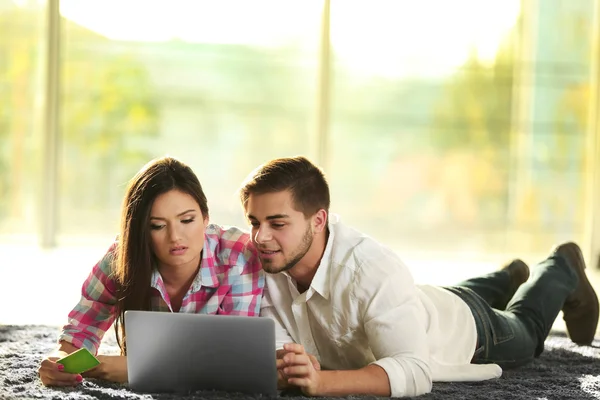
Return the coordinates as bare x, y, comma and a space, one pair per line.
281, 234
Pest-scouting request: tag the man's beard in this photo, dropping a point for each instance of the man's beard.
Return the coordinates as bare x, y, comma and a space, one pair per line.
300, 252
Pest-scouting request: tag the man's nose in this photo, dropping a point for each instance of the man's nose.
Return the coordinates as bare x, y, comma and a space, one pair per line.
262, 235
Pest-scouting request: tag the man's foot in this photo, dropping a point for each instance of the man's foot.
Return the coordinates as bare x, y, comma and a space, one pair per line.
519, 273
580, 310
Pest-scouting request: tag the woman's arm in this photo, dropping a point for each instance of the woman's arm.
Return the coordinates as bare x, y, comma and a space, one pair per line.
88, 322
94, 314
111, 368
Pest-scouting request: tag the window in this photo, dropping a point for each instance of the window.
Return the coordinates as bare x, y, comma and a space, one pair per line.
460, 127
453, 126
22, 62
222, 90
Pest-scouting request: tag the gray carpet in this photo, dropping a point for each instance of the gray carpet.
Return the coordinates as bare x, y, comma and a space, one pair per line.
564, 371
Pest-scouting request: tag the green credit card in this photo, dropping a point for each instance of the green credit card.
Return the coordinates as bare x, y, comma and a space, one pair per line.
79, 361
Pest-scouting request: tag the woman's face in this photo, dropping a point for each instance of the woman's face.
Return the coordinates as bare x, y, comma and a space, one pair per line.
177, 230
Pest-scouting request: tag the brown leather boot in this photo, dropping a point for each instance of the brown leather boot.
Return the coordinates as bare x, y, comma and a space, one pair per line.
580, 310
519, 273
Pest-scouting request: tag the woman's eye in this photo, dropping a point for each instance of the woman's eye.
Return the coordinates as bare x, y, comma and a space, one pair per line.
156, 227
187, 221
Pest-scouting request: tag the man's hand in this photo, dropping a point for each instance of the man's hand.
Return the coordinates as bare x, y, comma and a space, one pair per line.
111, 368
51, 373
282, 378
300, 369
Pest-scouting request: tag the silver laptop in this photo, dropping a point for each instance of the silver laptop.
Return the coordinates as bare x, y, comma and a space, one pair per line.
173, 352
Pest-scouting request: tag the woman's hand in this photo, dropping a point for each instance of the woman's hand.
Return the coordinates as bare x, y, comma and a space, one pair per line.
111, 368
51, 373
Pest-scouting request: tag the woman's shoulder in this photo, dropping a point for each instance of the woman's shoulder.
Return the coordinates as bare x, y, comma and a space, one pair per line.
230, 245
106, 263
223, 237
225, 232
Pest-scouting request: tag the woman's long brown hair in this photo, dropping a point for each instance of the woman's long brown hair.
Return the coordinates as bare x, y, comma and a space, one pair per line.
134, 262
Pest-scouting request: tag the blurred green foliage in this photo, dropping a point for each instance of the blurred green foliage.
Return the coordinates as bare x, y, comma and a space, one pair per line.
107, 101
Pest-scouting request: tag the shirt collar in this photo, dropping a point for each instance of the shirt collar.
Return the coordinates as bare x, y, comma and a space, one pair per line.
321, 282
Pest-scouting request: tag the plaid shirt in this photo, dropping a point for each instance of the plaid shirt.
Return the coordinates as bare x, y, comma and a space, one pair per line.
230, 282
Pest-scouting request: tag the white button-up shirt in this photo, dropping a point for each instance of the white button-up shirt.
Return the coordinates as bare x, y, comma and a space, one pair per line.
363, 307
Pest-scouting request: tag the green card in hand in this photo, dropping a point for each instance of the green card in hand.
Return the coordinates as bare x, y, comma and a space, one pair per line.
79, 361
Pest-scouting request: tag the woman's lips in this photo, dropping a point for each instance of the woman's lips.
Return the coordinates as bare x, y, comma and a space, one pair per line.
178, 251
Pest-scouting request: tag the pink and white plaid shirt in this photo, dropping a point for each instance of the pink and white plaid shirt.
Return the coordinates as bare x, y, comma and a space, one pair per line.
230, 282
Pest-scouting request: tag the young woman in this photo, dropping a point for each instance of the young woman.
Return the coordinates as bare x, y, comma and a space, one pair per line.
167, 258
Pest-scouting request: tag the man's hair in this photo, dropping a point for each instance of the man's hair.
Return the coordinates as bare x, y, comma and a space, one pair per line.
305, 181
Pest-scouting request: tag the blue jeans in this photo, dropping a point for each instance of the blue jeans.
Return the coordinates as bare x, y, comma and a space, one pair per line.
516, 335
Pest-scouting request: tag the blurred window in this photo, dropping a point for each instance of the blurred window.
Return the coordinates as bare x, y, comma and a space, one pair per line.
459, 126
222, 85
22, 62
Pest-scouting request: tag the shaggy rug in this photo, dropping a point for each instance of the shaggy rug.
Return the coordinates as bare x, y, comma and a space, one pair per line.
563, 371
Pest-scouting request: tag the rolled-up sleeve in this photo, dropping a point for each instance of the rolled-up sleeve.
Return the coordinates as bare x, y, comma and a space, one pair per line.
94, 314
396, 325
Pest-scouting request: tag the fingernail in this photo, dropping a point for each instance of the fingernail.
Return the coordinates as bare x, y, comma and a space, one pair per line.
61, 367
79, 378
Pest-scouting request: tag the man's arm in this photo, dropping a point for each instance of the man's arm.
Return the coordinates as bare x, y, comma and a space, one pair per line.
301, 372
395, 325
395, 322
371, 379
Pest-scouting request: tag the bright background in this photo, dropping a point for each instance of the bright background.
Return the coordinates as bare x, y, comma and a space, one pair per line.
460, 133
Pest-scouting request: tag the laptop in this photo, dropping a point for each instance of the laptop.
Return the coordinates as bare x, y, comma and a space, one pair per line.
179, 352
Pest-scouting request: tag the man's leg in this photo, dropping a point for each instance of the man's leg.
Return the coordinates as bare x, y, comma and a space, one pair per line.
539, 300
497, 288
513, 337
502, 338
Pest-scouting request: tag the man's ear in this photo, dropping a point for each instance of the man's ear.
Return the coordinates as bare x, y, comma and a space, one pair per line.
319, 221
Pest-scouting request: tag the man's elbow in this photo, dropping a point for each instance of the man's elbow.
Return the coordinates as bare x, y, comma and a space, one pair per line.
415, 388
407, 377
423, 387
422, 379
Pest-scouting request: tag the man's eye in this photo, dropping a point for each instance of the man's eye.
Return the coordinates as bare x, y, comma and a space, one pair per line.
277, 225
255, 224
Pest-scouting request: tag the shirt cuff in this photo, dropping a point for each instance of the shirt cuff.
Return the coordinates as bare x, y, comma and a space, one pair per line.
77, 342
395, 375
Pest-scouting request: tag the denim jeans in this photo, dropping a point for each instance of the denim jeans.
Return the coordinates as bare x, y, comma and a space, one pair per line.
516, 335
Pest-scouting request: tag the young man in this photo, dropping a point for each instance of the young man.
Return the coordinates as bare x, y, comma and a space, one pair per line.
352, 303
